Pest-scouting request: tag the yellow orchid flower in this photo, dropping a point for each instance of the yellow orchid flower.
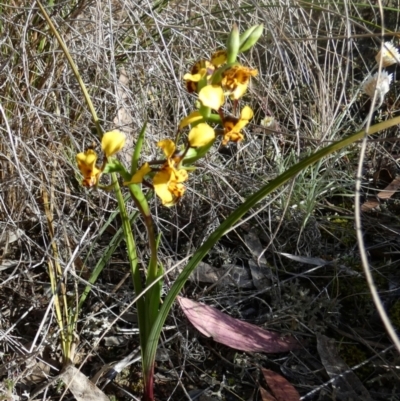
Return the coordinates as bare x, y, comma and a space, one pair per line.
212, 96
168, 147
168, 184
233, 125
201, 135
168, 181
138, 177
236, 80
112, 142
87, 165
197, 72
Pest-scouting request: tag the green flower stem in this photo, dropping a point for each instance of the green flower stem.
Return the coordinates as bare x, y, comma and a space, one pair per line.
214, 118
121, 204
226, 225
194, 154
138, 149
205, 112
112, 246
133, 261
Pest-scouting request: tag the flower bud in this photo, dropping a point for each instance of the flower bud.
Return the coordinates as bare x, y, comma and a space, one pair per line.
250, 37
233, 44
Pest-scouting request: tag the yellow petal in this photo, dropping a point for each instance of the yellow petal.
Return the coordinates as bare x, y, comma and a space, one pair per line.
246, 113
168, 146
177, 190
181, 175
112, 142
218, 58
233, 137
161, 186
139, 175
239, 91
240, 125
190, 119
195, 77
212, 96
88, 157
201, 135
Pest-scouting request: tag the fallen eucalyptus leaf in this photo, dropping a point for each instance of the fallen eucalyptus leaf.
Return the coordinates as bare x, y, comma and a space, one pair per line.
280, 387
265, 395
390, 190
233, 332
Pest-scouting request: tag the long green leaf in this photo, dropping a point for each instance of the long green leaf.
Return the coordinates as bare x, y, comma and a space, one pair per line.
227, 224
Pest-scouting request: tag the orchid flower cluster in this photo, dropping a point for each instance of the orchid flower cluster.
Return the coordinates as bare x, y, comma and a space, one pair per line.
214, 81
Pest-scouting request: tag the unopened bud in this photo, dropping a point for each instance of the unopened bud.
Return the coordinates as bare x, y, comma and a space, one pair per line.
250, 37
233, 44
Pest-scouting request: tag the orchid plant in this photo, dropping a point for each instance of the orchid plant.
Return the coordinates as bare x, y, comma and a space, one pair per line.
214, 81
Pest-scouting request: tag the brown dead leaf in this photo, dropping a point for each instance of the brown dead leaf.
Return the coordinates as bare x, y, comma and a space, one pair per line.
232, 332
80, 386
280, 387
260, 271
253, 242
385, 194
10, 235
260, 275
390, 190
370, 205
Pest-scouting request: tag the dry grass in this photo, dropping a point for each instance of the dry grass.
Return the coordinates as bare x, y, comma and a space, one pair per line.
312, 61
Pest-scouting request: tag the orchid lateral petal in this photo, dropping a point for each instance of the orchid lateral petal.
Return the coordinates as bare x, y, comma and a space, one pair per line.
190, 119
138, 177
